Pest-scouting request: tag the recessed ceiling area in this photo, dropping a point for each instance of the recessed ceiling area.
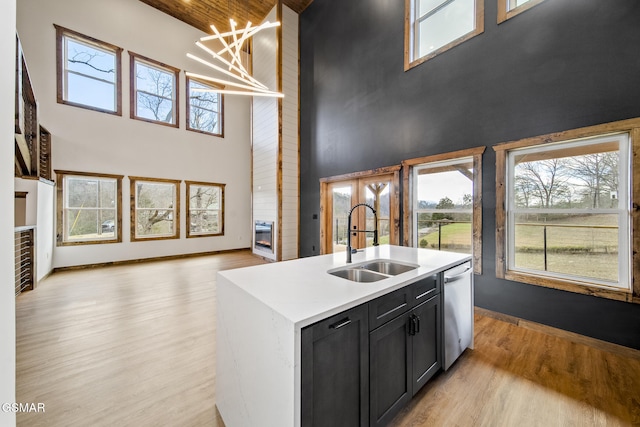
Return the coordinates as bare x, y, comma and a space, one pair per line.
202, 13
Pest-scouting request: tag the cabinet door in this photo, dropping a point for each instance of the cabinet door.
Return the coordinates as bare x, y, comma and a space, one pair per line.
335, 371
390, 375
426, 346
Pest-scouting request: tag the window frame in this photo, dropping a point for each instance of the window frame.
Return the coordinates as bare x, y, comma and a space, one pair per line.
632, 127
408, 197
505, 13
410, 45
61, 33
222, 187
135, 58
60, 209
133, 180
220, 112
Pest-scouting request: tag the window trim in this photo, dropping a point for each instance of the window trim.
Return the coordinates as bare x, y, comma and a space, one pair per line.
188, 203
504, 14
60, 174
133, 99
409, 39
407, 197
133, 208
632, 126
61, 32
188, 107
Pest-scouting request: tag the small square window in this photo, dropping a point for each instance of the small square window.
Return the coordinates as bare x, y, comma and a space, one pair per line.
204, 108
88, 72
154, 91
510, 8
206, 209
155, 209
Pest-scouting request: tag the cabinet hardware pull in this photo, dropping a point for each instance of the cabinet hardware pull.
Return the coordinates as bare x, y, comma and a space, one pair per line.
411, 326
416, 319
340, 324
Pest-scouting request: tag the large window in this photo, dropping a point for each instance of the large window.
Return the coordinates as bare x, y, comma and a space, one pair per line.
563, 210
88, 72
155, 209
443, 199
89, 208
154, 91
206, 209
204, 108
434, 26
510, 8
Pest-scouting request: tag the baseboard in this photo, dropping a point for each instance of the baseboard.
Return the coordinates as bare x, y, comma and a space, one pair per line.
617, 349
153, 259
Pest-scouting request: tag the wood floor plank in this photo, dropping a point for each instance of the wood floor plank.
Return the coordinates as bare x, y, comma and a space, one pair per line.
134, 345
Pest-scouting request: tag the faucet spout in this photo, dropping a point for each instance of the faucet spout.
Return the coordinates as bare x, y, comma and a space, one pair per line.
349, 230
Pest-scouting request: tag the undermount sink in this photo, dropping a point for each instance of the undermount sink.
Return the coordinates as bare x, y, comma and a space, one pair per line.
372, 271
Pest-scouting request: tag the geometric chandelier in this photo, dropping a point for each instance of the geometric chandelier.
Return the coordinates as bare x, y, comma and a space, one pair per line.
232, 42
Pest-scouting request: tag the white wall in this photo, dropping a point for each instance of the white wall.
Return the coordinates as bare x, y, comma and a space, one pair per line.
7, 294
89, 141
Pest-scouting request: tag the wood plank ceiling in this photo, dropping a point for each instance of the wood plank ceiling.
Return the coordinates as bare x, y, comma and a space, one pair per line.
202, 13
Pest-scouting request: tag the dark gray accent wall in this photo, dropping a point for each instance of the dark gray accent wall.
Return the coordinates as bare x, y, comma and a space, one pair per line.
562, 65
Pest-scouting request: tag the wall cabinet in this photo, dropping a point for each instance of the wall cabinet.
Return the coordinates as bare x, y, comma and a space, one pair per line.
360, 367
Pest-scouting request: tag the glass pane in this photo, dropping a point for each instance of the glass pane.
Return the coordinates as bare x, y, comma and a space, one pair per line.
584, 245
85, 224
377, 196
90, 61
90, 92
204, 197
154, 222
155, 90
449, 23
153, 107
425, 6
205, 222
155, 195
108, 225
204, 120
82, 192
108, 190
588, 181
341, 207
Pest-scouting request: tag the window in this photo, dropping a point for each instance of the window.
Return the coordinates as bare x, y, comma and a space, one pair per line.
206, 209
434, 26
154, 91
510, 8
89, 208
204, 109
88, 72
155, 209
563, 210
443, 199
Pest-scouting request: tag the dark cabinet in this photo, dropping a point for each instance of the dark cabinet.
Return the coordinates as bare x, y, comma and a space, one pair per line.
404, 354
335, 371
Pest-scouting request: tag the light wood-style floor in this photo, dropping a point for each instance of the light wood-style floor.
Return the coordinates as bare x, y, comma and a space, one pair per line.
135, 346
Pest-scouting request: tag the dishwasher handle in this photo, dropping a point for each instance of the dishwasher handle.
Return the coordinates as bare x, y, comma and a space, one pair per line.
449, 279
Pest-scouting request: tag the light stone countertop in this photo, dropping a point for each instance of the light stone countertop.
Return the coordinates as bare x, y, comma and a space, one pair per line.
303, 291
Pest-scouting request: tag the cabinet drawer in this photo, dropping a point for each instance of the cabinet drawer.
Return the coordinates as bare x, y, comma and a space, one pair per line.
424, 289
389, 306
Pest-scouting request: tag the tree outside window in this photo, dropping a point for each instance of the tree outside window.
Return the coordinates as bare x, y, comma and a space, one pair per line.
204, 108
154, 91
206, 209
155, 208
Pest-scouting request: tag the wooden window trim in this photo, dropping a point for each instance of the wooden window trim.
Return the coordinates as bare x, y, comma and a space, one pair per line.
60, 174
132, 205
188, 107
209, 184
409, 43
407, 188
117, 51
504, 14
326, 214
632, 126
133, 58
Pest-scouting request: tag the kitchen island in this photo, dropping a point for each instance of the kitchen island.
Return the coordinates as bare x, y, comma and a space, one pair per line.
262, 312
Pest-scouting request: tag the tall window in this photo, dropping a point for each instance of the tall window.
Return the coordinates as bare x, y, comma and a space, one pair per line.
89, 208
204, 108
434, 26
155, 209
443, 199
563, 210
88, 72
206, 209
154, 91
510, 8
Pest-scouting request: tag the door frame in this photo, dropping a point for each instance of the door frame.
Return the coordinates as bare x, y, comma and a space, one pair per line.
326, 205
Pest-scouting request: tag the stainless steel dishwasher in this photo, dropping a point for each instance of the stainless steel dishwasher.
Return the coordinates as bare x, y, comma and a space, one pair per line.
458, 312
